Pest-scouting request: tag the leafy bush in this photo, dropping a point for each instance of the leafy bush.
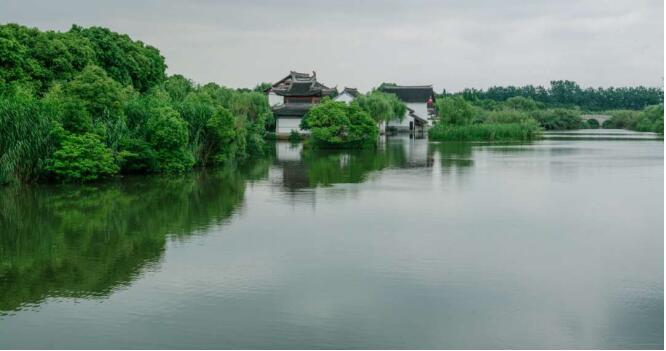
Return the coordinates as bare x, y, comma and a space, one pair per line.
382, 107
295, 137
82, 157
454, 111
168, 134
559, 119
521, 103
338, 125
507, 116
222, 142
650, 119
137, 156
592, 124
621, 119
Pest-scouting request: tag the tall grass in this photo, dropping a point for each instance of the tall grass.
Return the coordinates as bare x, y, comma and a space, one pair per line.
523, 131
26, 139
650, 119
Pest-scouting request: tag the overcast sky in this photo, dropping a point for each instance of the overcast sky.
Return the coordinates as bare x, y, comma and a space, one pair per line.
450, 44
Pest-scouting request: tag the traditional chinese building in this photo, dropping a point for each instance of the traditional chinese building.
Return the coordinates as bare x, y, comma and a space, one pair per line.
420, 101
347, 95
292, 97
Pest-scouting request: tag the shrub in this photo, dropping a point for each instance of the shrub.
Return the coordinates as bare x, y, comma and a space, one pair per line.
592, 124
507, 116
221, 138
521, 103
338, 125
82, 157
454, 111
136, 156
168, 134
621, 119
295, 136
559, 119
382, 107
651, 119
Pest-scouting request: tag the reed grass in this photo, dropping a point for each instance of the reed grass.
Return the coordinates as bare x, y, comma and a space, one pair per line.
493, 132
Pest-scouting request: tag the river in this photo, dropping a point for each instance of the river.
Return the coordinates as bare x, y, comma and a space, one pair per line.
553, 244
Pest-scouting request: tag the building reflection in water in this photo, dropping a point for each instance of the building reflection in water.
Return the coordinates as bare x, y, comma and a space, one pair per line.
301, 171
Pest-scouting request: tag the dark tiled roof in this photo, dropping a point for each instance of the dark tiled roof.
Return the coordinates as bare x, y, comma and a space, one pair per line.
301, 84
291, 76
291, 110
302, 88
415, 93
351, 91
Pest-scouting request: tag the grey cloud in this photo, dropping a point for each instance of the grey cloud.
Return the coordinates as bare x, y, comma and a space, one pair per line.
451, 44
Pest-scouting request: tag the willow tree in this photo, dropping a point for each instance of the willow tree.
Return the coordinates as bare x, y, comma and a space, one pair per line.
382, 107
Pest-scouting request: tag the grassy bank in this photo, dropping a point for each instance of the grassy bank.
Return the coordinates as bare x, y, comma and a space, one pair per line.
523, 131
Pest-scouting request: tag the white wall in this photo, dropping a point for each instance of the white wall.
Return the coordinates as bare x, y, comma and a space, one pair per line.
420, 109
346, 98
289, 152
284, 126
275, 99
404, 124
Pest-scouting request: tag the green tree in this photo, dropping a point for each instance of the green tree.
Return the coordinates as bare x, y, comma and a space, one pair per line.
168, 135
262, 87
178, 87
125, 60
559, 119
521, 103
101, 96
454, 111
82, 157
338, 125
221, 142
382, 107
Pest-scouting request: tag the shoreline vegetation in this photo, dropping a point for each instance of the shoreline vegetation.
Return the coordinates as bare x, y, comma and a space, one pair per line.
90, 103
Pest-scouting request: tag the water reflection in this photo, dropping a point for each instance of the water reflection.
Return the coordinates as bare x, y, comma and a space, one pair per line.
556, 244
85, 241
302, 168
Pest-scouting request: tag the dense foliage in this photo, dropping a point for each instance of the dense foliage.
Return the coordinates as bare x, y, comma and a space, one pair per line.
549, 118
334, 124
55, 241
90, 103
559, 119
523, 131
565, 93
458, 120
382, 107
651, 119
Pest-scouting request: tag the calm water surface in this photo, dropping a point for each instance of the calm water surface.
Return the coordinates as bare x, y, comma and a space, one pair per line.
555, 244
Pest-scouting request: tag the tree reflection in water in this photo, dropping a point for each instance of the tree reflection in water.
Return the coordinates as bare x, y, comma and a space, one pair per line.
86, 241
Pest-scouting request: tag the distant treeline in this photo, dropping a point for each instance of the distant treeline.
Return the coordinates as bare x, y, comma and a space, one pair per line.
565, 93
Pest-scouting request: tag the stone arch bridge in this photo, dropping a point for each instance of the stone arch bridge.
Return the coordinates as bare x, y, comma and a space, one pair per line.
600, 118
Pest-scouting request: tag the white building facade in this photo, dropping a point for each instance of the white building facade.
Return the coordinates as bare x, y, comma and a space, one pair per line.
420, 100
